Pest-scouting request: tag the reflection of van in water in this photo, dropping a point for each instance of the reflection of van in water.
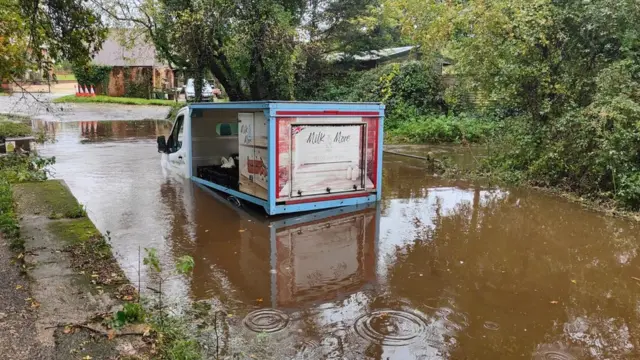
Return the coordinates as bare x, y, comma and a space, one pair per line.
285, 157
288, 261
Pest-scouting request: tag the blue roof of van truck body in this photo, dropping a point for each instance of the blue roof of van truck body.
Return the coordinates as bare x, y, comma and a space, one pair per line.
290, 105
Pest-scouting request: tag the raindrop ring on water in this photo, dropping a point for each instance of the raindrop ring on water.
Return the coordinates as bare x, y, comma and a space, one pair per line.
490, 325
553, 355
266, 320
390, 327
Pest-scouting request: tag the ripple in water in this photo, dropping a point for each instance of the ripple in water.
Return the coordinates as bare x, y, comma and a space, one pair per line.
490, 325
553, 355
457, 321
554, 352
390, 327
266, 320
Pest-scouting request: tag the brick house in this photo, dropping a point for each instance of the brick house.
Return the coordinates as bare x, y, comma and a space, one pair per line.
133, 60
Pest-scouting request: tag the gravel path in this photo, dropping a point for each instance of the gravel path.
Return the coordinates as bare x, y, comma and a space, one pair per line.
18, 338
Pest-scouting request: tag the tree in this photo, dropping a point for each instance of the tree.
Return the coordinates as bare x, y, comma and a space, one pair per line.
247, 45
533, 57
13, 40
253, 47
563, 75
66, 29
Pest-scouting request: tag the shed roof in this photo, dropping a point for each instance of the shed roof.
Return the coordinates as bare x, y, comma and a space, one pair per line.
382, 54
127, 47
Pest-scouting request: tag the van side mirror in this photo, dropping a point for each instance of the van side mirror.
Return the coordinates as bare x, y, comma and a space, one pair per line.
162, 144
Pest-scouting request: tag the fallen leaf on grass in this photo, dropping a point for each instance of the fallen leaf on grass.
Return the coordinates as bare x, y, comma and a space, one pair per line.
87, 358
18, 287
95, 275
20, 256
35, 304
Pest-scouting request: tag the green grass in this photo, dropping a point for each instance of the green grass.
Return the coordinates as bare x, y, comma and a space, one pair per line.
13, 129
75, 231
66, 77
113, 100
9, 225
49, 198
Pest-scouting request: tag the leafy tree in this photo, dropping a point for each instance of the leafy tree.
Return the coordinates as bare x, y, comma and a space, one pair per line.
562, 73
67, 29
247, 45
13, 40
254, 48
533, 57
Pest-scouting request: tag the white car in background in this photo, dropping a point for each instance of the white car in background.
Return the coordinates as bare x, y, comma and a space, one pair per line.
208, 91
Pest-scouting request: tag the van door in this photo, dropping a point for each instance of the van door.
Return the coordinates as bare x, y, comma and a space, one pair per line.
177, 148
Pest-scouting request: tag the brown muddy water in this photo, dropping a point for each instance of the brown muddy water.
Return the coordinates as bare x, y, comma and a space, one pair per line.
438, 270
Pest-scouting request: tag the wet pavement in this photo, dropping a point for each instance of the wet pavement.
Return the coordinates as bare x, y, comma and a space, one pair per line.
438, 270
40, 107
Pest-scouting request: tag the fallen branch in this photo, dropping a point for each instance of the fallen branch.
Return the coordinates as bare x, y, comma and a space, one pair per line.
107, 335
94, 330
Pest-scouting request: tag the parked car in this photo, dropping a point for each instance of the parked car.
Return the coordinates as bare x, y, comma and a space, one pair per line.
208, 91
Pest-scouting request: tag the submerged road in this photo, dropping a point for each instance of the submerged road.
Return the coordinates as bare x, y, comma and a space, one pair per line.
40, 107
439, 270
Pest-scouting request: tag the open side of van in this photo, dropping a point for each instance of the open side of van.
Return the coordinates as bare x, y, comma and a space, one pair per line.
283, 156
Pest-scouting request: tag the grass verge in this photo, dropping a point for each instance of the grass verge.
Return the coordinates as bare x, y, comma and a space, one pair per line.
113, 100
89, 250
51, 198
9, 225
66, 77
10, 128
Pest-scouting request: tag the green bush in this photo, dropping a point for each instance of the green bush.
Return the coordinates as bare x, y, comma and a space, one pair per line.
413, 83
13, 129
131, 313
98, 76
592, 151
440, 129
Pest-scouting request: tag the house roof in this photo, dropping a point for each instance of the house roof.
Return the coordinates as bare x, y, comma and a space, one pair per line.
127, 47
382, 54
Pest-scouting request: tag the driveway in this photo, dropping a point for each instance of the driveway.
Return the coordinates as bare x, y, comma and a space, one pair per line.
40, 107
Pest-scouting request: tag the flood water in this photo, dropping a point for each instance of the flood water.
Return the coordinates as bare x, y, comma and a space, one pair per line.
437, 270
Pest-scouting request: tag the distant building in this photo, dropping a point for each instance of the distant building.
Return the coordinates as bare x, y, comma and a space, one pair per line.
134, 61
374, 58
